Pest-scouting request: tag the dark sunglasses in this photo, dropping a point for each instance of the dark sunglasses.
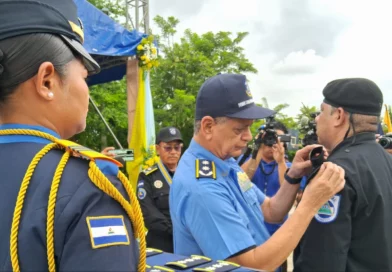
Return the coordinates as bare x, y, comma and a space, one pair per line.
169, 148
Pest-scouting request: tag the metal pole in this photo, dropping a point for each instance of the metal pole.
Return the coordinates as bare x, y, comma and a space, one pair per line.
137, 14
106, 124
146, 8
126, 14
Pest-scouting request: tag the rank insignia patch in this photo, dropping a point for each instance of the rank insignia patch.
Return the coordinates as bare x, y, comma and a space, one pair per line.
205, 169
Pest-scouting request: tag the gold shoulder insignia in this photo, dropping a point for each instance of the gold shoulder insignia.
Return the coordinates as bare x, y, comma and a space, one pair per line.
151, 169
86, 153
205, 169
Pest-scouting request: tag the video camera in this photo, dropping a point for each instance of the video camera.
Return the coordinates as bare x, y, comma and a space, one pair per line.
308, 127
386, 141
268, 135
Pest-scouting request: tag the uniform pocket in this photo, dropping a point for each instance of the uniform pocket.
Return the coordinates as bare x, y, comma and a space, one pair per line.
162, 201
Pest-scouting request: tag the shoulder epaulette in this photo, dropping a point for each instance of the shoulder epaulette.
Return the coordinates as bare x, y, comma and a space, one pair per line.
205, 169
151, 169
86, 153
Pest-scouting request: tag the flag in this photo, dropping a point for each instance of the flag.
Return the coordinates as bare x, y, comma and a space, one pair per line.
107, 230
387, 119
143, 128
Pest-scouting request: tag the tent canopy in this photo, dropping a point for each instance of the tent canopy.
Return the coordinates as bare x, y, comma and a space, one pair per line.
108, 42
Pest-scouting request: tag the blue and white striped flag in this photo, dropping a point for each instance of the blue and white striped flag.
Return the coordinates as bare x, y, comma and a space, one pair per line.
107, 231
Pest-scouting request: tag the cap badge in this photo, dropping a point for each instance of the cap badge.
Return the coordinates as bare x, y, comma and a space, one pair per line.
172, 131
247, 90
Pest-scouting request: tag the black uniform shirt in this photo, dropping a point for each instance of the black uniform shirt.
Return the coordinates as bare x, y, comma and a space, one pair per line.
353, 231
153, 194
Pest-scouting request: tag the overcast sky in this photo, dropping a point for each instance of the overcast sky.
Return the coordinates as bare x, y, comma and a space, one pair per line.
298, 46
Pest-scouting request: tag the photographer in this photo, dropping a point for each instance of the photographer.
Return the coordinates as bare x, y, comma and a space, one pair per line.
267, 170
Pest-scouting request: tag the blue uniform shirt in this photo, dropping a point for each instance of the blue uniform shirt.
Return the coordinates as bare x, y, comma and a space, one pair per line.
218, 217
268, 183
82, 211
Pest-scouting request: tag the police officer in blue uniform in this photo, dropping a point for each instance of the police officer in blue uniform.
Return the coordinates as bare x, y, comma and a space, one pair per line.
154, 186
216, 210
352, 231
58, 211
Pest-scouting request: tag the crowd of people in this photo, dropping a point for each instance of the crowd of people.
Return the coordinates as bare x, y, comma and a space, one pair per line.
66, 207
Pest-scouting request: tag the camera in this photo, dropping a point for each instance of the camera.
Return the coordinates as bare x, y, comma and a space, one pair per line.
125, 154
386, 141
308, 127
268, 135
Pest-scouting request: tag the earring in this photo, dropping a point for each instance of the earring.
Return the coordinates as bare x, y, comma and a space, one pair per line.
50, 95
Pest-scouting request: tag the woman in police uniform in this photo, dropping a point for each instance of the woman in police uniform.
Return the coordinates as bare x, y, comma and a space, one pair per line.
58, 211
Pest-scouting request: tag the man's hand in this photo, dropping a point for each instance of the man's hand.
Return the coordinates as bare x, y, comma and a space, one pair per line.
106, 151
328, 181
278, 152
301, 164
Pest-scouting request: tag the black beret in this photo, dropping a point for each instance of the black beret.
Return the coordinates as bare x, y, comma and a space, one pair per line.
354, 95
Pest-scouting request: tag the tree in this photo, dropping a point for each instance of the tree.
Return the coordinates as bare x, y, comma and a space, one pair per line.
186, 64
115, 9
305, 114
289, 122
111, 100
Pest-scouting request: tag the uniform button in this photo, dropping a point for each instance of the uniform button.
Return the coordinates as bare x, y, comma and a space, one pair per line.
347, 150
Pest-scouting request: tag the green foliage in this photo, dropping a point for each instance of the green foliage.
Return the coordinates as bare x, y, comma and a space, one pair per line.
111, 100
179, 113
305, 111
115, 9
185, 65
289, 122
291, 154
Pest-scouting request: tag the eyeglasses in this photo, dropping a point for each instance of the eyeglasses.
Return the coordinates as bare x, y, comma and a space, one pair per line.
169, 148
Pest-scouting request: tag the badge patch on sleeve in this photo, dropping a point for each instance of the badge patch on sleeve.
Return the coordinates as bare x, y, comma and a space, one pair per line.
329, 211
141, 193
107, 231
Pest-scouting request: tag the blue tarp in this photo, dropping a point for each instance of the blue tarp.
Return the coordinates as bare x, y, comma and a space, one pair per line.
107, 41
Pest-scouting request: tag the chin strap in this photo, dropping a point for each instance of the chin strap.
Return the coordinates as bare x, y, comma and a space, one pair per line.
132, 207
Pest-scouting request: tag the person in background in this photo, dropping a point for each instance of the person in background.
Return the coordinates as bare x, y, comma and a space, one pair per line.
153, 189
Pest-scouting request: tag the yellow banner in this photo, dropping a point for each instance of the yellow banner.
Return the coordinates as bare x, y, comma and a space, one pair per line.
387, 119
138, 138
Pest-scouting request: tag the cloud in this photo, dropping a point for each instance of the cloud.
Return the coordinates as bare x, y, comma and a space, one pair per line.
302, 26
298, 46
298, 63
178, 8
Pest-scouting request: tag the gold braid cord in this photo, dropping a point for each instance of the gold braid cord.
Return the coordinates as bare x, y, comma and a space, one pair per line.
99, 180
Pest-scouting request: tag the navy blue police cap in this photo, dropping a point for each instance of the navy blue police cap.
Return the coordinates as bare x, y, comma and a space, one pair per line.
169, 134
228, 95
59, 17
354, 95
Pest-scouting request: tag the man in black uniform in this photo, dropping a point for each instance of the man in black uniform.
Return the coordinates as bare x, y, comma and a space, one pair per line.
154, 186
352, 231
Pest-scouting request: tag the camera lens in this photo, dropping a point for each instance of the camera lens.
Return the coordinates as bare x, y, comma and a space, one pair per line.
386, 142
